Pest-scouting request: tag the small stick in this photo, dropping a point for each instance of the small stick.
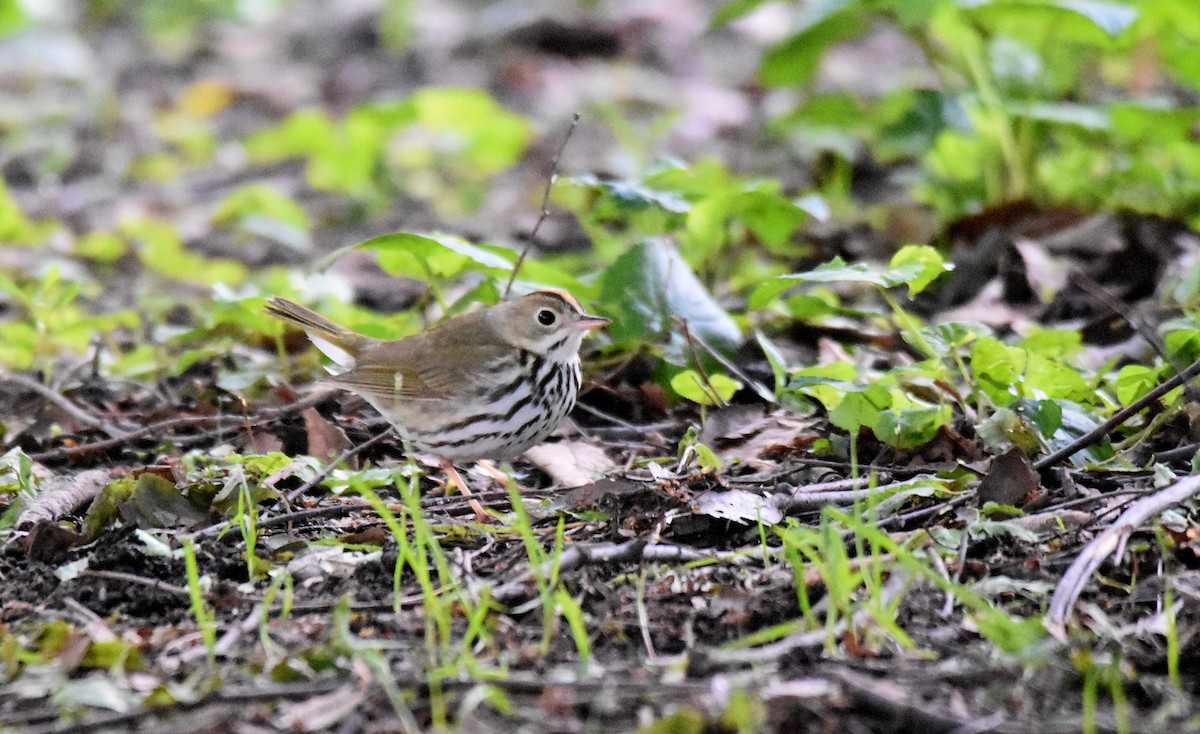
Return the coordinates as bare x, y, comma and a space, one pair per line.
346, 456
545, 206
1119, 417
63, 403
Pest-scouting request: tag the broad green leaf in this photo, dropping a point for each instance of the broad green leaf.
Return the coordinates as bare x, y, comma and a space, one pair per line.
632, 196
1088, 117
1183, 344
774, 218
732, 11
1076, 422
1004, 429
922, 261
691, 385
1045, 414
947, 338
1084, 22
101, 246
650, 292
1134, 381
420, 256
860, 408
908, 122
259, 201
1049, 379
1111, 17
824, 383
302, 133
908, 428
915, 265
998, 368
15, 227
1053, 343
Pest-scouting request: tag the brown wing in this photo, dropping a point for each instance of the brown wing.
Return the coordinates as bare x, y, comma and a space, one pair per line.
419, 368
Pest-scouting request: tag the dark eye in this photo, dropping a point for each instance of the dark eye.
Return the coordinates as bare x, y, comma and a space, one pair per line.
546, 317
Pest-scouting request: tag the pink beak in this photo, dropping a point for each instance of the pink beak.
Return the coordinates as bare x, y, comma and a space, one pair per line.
588, 323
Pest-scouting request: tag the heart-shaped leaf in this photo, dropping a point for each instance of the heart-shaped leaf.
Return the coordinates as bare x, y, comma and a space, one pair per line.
650, 292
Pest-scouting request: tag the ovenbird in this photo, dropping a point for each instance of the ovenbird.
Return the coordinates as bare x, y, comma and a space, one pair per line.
486, 385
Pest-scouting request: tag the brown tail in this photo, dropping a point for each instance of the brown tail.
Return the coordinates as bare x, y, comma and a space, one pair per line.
337, 342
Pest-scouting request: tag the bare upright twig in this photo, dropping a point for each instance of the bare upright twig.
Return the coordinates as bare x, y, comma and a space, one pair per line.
545, 206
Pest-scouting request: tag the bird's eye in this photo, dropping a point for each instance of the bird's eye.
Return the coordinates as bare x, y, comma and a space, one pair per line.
546, 317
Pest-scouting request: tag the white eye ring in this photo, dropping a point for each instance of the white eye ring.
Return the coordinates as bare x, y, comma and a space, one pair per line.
546, 317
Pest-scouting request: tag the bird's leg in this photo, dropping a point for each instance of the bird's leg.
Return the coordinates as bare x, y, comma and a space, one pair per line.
490, 469
453, 475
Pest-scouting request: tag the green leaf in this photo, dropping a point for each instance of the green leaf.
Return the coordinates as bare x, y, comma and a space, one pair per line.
12, 16
630, 196
860, 408
649, 289
1134, 381
1004, 429
1055, 380
260, 208
1112, 18
717, 389
419, 256
922, 261
732, 11
1053, 343
472, 126
772, 217
915, 265
162, 250
103, 247
910, 427
949, 337
1045, 414
998, 368
774, 357
1088, 117
795, 61
1011, 634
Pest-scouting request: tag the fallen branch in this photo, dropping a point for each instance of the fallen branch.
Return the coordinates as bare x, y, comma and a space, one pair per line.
577, 556
1111, 541
61, 495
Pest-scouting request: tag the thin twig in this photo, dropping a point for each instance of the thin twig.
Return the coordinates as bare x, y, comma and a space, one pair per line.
130, 578
346, 456
1102, 430
1104, 298
61, 401
161, 427
545, 206
705, 382
763, 391
631, 551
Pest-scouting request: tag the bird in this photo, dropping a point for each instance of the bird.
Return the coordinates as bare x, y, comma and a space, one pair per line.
488, 384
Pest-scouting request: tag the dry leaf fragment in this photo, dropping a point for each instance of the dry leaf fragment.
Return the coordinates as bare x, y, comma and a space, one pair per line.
325, 440
571, 463
1011, 479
